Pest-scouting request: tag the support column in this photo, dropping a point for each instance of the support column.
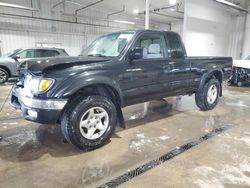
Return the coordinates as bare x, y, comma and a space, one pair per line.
146, 104
147, 14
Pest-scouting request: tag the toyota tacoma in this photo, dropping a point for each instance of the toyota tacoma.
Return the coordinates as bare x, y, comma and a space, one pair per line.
85, 94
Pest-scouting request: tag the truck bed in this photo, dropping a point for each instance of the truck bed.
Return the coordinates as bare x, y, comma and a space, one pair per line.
223, 63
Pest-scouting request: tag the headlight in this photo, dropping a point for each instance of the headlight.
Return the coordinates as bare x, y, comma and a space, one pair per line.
37, 85
45, 84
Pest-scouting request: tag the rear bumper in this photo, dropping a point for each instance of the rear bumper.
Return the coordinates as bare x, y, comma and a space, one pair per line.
37, 110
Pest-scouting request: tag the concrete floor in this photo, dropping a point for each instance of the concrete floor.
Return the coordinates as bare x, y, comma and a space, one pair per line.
34, 155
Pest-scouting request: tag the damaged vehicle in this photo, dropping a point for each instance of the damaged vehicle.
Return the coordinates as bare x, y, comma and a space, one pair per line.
10, 62
241, 72
86, 94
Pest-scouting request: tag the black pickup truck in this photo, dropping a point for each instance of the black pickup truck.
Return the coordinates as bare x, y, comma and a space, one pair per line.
85, 94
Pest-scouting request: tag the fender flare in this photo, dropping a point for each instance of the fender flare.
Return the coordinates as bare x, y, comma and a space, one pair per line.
71, 89
71, 86
6, 69
207, 75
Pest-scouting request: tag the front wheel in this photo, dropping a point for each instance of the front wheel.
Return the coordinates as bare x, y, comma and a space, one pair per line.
90, 122
207, 97
4, 75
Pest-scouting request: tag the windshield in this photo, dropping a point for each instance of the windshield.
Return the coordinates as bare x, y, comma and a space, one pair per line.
10, 54
109, 45
247, 58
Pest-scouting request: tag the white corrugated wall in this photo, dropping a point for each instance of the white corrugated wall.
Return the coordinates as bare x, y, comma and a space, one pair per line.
13, 39
19, 32
246, 47
237, 36
212, 30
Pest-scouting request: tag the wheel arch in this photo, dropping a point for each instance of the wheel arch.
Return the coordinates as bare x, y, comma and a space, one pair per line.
217, 73
103, 89
6, 69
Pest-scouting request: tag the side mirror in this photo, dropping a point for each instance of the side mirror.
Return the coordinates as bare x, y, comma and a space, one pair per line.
16, 57
177, 54
136, 53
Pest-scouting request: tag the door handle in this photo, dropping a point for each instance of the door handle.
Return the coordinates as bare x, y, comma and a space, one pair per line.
167, 67
172, 63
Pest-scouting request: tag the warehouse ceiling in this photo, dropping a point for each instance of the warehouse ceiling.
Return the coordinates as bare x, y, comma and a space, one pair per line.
168, 15
243, 3
128, 13
162, 11
108, 11
235, 7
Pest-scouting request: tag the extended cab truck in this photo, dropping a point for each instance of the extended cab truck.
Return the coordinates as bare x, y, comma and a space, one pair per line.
85, 94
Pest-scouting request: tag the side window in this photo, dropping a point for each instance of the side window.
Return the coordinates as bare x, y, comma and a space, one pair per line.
55, 53
62, 53
26, 54
152, 44
174, 43
46, 53
39, 53
50, 53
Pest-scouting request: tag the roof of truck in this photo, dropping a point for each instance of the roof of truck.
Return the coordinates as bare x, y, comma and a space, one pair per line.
43, 48
150, 30
145, 30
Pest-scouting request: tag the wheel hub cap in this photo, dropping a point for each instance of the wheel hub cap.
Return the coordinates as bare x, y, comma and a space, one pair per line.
212, 94
2, 76
94, 123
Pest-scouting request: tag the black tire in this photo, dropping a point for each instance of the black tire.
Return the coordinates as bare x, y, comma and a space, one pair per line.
5, 74
70, 123
201, 96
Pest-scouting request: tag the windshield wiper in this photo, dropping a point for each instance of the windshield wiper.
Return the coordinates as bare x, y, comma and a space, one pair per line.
97, 55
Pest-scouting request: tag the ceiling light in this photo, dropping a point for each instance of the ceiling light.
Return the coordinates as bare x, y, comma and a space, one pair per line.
172, 2
17, 6
232, 5
135, 11
124, 22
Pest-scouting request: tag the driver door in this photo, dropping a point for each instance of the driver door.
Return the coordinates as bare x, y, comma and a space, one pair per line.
142, 78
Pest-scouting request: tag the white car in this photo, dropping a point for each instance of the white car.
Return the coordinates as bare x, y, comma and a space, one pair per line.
241, 72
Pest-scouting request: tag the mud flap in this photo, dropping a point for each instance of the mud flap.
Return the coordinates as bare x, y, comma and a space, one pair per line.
231, 80
120, 117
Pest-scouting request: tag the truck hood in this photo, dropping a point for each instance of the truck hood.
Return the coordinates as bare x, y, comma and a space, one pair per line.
242, 63
40, 65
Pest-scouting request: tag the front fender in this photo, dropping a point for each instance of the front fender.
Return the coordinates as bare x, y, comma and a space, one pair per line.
72, 85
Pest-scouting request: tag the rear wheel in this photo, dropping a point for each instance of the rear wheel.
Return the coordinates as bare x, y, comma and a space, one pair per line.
4, 76
207, 97
89, 123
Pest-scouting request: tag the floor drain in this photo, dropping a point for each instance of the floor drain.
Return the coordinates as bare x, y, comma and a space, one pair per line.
152, 164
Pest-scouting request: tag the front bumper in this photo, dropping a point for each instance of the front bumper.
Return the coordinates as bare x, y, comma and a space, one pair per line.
37, 110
